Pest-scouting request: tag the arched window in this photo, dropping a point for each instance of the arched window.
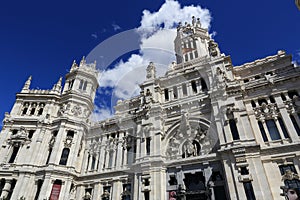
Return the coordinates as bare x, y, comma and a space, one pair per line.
25, 109
283, 97
272, 100
272, 128
33, 109
262, 131
56, 189
64, 156
41, 109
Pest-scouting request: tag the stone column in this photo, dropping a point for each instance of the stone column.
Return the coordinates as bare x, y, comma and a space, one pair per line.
158, 191
73, 156
230, 179
255, 127
124, 157
279, 129
136, 187
138, 148
189, 89
6, 188
119, 150
171, 97
80, 192
286, 119
107, 159
65, 189
98, 191
143, 147
58, 146
266, 130
19, 187
102, 153
84, 166
156, 145
46, 187
116, 190
227, 132
179, 91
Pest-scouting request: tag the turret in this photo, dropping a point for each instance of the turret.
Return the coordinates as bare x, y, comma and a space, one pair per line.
82, 79
193, 41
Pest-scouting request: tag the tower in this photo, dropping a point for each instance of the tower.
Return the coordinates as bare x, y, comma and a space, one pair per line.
48, 125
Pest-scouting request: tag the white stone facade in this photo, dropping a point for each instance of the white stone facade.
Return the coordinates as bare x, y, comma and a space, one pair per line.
205, 130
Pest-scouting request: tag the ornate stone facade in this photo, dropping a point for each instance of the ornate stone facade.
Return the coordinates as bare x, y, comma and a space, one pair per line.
205, 130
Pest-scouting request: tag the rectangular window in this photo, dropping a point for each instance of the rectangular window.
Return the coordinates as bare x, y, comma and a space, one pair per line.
146, 195
166, 94
249, 191
274, 133
284, 168
234, 130
148, 141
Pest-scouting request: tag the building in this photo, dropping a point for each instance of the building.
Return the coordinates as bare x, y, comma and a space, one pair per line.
205, 130
297, 3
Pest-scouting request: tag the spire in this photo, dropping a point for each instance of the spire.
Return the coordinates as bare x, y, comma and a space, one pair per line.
74, 65
27, 84
57, 86
82, 62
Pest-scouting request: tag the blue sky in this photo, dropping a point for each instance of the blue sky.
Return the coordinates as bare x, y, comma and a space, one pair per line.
42, 38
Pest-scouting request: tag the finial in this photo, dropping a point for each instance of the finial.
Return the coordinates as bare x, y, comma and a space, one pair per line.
59, 81
27, 84
57, 86
82, 62
74, 65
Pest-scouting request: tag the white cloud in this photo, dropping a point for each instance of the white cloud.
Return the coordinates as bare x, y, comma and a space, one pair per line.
101, 113
158, 31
